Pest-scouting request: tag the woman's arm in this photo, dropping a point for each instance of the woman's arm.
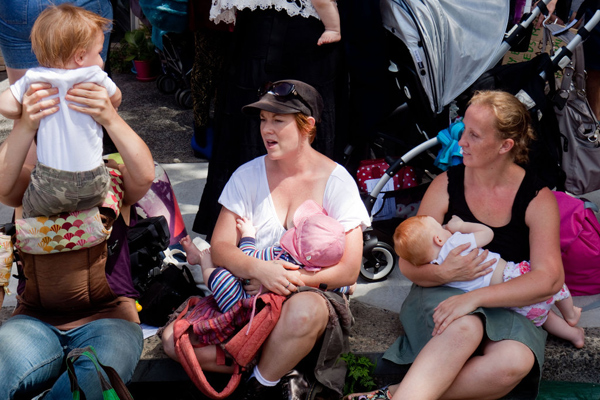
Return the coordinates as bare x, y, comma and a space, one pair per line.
17, 153
273, 275
544, 280
455, 267
138, 166
345, 273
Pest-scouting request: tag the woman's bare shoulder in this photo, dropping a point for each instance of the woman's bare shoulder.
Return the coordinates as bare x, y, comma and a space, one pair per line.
435, 200
543, 205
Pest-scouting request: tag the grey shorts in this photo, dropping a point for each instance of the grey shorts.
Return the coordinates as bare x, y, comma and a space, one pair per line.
52, 191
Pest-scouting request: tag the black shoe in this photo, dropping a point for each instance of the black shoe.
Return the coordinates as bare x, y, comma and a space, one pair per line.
253, 390
298, 385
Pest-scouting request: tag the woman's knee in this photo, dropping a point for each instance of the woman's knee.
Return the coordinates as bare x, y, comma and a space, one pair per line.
117, 342
469, 328
304, 314
168, 343
28, 360
512, 360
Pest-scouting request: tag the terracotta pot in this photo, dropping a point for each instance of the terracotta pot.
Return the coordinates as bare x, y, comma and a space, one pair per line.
145, 70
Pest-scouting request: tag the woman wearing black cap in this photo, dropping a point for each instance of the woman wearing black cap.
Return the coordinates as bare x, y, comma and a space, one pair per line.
268, 190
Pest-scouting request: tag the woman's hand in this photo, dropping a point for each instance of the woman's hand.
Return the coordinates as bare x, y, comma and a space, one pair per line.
465, 268
452, 308
36, 105
91, 99
551, 6
280, 277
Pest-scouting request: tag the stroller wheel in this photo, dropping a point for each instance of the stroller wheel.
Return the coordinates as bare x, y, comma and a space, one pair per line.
166, 84
184, 98
379, 263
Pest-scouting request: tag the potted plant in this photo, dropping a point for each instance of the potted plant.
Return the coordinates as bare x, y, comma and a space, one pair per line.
140, 50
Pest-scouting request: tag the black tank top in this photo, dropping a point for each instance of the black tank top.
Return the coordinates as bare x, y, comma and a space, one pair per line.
511, 240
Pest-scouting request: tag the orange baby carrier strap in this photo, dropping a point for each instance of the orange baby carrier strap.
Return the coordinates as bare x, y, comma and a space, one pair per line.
242, 347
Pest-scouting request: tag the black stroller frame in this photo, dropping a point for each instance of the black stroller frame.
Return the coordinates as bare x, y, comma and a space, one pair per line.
176, 70
379, 257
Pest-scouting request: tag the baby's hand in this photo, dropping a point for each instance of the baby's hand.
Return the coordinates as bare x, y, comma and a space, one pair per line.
245, 227
454, 225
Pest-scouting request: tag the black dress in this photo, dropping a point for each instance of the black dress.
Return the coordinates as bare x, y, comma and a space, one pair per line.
269, 45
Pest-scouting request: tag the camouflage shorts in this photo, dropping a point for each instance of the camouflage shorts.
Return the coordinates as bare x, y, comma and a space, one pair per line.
52, 191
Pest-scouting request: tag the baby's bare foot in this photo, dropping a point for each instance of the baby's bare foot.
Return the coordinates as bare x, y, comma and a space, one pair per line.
205, 259
574, 318
193, 254
329, 36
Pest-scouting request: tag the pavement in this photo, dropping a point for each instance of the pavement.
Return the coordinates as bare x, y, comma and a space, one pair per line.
168, 130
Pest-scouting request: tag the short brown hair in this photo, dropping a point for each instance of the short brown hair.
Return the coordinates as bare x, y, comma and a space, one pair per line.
304, 126
411, 240
60, 31
513, 121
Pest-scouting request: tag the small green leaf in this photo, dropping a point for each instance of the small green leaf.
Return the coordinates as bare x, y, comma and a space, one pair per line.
359, 373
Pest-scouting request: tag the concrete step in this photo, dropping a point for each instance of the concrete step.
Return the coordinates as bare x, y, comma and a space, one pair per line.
374, 331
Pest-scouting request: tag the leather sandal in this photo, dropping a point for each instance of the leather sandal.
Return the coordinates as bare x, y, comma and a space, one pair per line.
379, 394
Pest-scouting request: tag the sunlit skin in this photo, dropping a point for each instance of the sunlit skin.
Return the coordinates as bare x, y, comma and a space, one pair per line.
280, 134
479, 141
90, 56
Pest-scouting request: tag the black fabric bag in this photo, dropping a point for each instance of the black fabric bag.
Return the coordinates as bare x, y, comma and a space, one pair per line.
147, 239
165, 292
162, 287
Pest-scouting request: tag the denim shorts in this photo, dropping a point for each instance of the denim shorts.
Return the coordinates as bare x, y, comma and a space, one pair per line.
17, 18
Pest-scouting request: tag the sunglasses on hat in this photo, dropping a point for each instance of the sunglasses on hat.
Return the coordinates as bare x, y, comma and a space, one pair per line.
282, 89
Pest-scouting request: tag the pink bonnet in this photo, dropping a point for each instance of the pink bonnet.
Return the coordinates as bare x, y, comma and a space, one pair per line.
316, 240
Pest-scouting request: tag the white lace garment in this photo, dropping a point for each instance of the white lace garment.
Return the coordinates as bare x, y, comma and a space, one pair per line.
224, 10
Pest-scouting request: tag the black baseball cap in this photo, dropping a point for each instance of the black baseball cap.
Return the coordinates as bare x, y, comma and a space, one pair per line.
287, 97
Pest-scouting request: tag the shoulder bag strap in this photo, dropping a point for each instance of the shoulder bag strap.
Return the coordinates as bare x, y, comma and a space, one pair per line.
118, 390
189, 361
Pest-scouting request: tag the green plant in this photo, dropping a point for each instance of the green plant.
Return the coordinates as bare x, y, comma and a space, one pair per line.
116, 56
359, 376
139, 45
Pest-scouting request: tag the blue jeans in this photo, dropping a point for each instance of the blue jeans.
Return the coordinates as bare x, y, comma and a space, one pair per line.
33, 353
17, 18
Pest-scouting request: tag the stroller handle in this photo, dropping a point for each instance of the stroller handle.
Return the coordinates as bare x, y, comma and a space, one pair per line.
394, 168
562, 57
513, 36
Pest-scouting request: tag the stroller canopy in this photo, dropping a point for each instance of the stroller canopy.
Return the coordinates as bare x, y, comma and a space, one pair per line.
451, 42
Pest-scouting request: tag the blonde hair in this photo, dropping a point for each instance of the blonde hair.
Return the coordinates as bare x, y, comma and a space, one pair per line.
60, 31
412, 240
304, 126
512, 120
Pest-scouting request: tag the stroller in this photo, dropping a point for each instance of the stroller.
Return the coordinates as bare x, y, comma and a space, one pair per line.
175, 47
436, 87
176, 58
